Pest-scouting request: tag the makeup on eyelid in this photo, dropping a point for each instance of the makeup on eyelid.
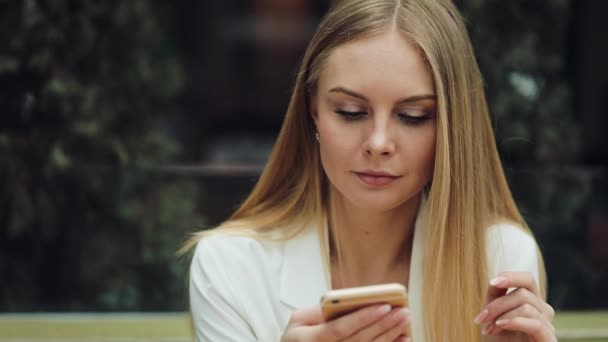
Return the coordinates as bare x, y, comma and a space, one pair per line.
413, 114
404, 116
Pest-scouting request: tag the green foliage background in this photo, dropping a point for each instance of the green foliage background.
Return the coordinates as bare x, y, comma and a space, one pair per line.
87, 220
523, 49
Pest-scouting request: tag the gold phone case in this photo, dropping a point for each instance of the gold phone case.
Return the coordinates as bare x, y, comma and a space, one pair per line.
336, 303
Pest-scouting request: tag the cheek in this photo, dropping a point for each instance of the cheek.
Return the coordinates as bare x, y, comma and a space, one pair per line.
335, 149
427, 154
421, 152
339, 143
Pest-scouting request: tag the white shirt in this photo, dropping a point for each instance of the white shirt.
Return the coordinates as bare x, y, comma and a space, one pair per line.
242, 289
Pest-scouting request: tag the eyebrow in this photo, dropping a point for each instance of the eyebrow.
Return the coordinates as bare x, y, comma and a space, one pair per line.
352, 93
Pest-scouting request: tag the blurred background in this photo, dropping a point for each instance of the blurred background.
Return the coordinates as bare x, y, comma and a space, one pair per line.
127, 125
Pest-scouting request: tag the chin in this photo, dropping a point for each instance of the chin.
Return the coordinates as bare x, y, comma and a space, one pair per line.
377, 203
379, 200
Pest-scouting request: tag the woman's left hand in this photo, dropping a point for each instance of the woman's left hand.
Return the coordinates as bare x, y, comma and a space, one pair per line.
520, 315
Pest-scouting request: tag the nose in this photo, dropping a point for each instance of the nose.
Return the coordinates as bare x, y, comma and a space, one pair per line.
380, 141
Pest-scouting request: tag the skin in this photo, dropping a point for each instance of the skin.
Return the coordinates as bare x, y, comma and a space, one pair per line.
385, 82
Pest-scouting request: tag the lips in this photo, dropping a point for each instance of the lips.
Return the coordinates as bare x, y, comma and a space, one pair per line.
376, 178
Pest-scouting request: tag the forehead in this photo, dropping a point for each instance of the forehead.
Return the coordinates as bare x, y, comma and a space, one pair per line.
387, 62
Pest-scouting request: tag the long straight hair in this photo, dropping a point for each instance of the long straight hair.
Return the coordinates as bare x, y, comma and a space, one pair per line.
469, 191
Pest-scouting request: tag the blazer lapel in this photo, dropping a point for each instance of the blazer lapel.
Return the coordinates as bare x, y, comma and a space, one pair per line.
415, 284
303, 276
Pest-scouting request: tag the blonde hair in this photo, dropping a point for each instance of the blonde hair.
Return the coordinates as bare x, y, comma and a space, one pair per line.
469, 191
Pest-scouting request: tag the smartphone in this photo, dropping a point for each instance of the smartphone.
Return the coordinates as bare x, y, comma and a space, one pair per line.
336, 303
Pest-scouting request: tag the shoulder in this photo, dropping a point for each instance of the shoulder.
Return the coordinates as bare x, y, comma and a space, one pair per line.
235, 254
511, 248
510, 237
231, 245
241, 272
234, 289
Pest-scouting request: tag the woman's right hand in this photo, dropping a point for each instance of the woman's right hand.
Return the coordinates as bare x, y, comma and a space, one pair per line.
374, 323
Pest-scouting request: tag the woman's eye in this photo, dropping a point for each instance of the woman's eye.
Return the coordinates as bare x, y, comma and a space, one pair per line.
413, 120
349, 115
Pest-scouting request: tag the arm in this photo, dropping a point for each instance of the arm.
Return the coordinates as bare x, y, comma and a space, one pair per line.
510, 249
215, 313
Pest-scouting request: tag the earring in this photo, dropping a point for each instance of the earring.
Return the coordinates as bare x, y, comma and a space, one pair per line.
317, 136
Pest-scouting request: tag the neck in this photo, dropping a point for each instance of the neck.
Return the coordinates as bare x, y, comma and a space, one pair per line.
370, 247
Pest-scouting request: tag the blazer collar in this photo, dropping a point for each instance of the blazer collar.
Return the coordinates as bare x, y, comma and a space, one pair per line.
415, 284
303, 274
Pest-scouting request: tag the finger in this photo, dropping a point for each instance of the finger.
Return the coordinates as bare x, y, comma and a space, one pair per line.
495, 292
348, 325
506, 280
525, 311
307, 316
488, 329
392, 334
394, 318
516, 299
499, 286
497, 329
536, 329
548, 311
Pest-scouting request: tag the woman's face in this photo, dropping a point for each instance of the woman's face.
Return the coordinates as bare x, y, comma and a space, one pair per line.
375, 114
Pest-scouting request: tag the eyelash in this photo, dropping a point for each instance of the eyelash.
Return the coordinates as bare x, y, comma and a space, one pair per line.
404, 118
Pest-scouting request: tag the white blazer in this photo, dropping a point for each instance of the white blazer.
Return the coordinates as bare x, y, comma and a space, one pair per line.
242, 289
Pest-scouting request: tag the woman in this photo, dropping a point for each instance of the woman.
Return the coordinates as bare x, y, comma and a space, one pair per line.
385, 170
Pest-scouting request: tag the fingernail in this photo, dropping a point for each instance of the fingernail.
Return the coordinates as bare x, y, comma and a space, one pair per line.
481, 317
384, 309
502, 321
497, 281
487, 329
